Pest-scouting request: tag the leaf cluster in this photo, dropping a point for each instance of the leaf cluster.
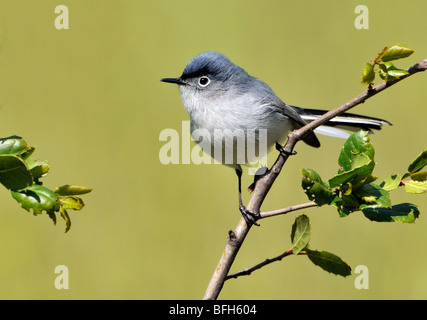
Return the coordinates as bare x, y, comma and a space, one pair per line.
384, 67
21, 174
353, 188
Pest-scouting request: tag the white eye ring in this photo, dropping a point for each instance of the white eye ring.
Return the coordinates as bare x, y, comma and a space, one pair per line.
204, 81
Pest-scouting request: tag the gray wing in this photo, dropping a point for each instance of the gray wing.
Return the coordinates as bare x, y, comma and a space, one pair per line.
270, 98
286, 110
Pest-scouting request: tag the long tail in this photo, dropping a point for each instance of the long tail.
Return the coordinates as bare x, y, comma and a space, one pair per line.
347, 121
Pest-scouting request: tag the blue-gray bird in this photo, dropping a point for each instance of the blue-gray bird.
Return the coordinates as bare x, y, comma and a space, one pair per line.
221, 97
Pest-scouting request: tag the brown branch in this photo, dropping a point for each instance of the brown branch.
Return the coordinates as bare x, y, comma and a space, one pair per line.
301, 206
235, 238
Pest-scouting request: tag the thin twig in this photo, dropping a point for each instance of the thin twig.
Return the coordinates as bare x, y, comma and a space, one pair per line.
248, 271
301, 206
235, 238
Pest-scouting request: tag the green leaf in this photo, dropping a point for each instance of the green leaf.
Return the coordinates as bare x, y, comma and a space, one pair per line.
37, 198
72, 190
388, 71
373, 196
368, 74
315, 188
310, 176
391, 182
300, 234
382, 71
396, 74
52, 216
64, 215
356, 161
329, 262
396, 52
71, 202
415, 186
419, 176
361, 172
357, 143
38, 168
418, 163
380, 55
404, 212
13, 145
343, 209
14, 173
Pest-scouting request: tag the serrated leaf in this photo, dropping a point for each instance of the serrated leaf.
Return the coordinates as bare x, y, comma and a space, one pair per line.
404, 212
72, 190
415, 186
418, 163
37, 198
391, 182
300, 234
396, 52
368, 74
329, 262
14, 173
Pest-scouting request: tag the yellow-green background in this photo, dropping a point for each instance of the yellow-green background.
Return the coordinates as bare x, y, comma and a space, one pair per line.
90, 100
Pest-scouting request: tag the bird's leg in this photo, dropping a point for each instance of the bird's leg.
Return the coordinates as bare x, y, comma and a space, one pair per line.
261, 172
248, 215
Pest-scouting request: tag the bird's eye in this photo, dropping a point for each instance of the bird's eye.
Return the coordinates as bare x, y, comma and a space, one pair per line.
204, 81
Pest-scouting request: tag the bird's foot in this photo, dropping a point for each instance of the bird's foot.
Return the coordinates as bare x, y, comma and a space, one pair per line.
284, 152
249, 216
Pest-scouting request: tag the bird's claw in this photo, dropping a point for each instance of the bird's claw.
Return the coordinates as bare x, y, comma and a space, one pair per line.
249, 216
284, 152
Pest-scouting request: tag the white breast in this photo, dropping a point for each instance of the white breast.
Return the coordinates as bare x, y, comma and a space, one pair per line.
234, 117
